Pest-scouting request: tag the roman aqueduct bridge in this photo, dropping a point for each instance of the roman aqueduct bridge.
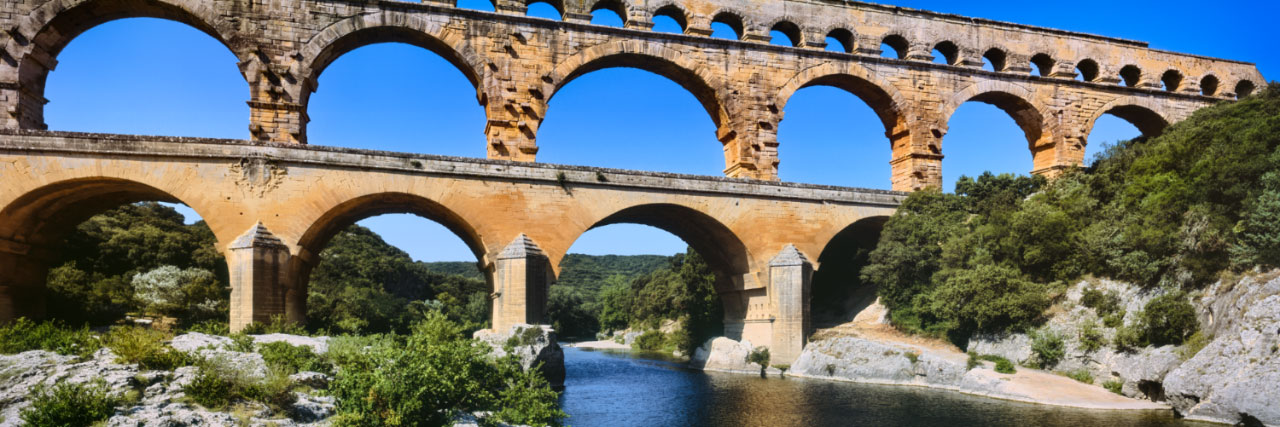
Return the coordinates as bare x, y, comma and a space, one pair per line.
274, 202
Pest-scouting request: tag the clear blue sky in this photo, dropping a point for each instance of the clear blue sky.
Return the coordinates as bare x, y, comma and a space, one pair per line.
149, 76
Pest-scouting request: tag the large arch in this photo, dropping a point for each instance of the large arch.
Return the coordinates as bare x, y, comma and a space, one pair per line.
723, 250
883, 97
1012, 99
386, 27
663, 61
1148, 116
44, 32
33, 224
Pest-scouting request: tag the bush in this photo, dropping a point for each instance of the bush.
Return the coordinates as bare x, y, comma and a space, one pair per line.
1090, 337
218, 384
292, 359
241, 342
1114, 386
189, 294
913, 357
145, 347
1169, 319
211, 327
429, 377
1114, 320
652, 340
25, 335
1003, 365
1048, 348
279, 324
974, 361
759, 356
1104, 304
1081, 375
1195, 343
68, 404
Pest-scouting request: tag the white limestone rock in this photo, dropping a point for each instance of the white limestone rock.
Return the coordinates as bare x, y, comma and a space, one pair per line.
541, 348
25, 372
1236, 378
193, 341
319, 345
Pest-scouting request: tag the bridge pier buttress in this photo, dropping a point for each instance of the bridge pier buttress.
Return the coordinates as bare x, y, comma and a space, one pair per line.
22, 284
917, 159
521, 280
790, 283
258, 262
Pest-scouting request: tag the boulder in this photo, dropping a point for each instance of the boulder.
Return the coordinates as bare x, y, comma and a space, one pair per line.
192, 341
533, 345
28, 371
725, 355
1236, 377
319, 345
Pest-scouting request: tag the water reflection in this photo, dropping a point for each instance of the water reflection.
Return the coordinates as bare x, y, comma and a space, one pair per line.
619, 389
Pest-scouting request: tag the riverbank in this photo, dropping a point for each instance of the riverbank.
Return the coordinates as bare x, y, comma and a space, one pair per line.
597, 345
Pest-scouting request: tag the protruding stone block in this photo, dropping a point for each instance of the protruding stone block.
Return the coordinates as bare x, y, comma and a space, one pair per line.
521, 281
257, 261
790, 276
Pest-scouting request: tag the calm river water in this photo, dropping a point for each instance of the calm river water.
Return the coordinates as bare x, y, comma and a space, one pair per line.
618, 389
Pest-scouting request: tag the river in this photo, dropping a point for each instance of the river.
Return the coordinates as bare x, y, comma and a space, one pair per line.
618, 389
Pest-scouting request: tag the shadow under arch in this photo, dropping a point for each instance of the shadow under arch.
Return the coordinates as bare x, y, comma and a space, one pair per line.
654, 59
35, 223
724, 252
51, 27
839, 294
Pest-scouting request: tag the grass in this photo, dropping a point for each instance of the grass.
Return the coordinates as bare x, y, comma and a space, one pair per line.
913, 357
1193, 345
218, 385
1081, 375
145, 347
1114, 386
292, 359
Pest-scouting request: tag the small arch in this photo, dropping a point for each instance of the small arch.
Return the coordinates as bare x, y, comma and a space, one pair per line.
946, 52
840, 40
996, 59
1131, 75
1209, 85
789, 31
674, 13
601, 10
897, 44
1087, 70
545, 9
732, 21
1172, 80
481, 5
1043, 64
1245, 88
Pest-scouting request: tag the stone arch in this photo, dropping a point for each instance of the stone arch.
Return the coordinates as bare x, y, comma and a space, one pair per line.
36, 221
734, 19
1147, 115
997, 55
674, 65
42, 34
950, 51
900, 44
1088, 70
621, 8
842, 34
1013, 99
1172, 80
558, 5
883, 97
837, 288
1209, 85
673, 10
787, 26
386, 27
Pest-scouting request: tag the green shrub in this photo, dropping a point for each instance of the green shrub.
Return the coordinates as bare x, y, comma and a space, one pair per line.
1114, 320
69, 404
1104, 303
759, 356
1003, 365
25, 335
241, 343
292, 359
652, 340
1081, 375
913, 357
279, 324
1194, 344
145, 347
1090, 337
1169, 319
1114, 386
1129, 337
1048, 348
218, 384
974, 361
429, 377
211, 327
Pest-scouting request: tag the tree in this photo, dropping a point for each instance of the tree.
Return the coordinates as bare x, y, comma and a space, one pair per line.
193, 294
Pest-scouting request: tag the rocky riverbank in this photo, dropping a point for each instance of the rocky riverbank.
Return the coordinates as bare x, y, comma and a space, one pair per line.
1230, 374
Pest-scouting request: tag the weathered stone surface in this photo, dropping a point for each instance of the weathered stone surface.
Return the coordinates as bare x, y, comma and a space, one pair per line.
319, 345
724, 355
193, 341
1237, 376
535, 349
25, 372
